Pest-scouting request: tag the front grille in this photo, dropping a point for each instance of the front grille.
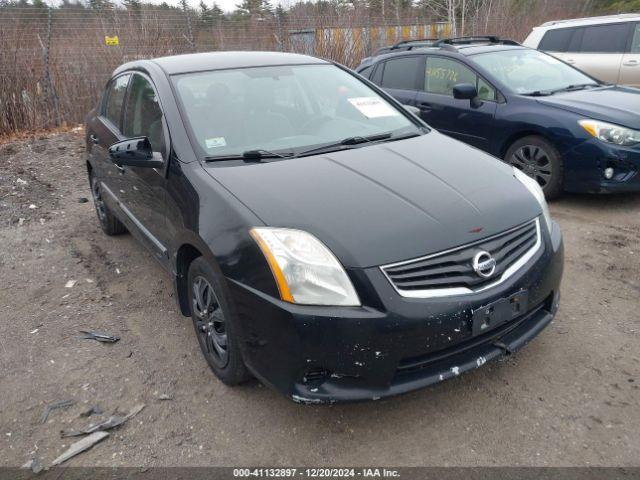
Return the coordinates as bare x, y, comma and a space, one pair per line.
451, 272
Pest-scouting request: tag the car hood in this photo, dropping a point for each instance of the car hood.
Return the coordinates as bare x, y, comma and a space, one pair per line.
618, 105
387, 202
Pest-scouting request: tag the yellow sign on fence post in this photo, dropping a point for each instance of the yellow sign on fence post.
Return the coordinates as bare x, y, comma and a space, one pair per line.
111, 40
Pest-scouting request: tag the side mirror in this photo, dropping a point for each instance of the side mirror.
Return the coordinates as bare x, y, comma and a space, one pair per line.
135, 152
412, 109
466, 91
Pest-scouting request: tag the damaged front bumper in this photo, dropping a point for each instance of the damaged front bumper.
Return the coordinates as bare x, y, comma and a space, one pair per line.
391, 345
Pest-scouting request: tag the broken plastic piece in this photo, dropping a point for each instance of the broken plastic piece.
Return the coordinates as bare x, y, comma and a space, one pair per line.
94, 410
99, 336
34, 465
80, 446
55, 406
112, 422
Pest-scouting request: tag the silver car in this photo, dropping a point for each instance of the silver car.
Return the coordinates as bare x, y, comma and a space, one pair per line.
607, 48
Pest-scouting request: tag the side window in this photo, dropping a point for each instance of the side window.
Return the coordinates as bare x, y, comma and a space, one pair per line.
365, 72
377, 75
401, 73
112, 108
605, 38
442, 75
486, 91
635, 44
143, 116
556, 40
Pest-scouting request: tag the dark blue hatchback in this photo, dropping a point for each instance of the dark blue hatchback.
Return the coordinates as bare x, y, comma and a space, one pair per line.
562, 127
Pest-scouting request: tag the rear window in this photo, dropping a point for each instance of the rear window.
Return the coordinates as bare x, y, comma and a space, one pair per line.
556, 40
593, 39
401, 73
635, 44
605, 38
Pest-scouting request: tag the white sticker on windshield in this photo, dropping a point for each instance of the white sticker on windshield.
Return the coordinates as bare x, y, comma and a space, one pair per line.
373, 107
215, 142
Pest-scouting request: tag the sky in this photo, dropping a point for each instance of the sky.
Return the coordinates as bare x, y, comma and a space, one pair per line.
226, 5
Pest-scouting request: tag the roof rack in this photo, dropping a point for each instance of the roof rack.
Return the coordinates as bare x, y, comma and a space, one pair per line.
493, 39
619, 16
408, 43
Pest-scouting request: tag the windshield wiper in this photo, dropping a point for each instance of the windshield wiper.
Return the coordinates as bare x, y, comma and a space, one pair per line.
248, 156
350, 142
573, 88
345, 143
539, 93
568, 88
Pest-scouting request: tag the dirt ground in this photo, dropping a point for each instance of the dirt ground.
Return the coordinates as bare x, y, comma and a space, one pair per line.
569, 398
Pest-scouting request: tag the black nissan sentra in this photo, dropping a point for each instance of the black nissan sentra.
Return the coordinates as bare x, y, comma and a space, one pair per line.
321, 237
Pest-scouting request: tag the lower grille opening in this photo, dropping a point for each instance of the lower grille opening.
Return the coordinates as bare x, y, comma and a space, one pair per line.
315, 376
412, 364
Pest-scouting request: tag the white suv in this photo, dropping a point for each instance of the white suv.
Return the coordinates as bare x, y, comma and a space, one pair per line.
607, 48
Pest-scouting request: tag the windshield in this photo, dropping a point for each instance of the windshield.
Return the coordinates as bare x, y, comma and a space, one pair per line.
283, 108
529, 71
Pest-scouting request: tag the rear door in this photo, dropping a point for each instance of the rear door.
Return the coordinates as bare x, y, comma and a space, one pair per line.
105, 129
400, 77
458, 118
630, 68
143, 189
596, 49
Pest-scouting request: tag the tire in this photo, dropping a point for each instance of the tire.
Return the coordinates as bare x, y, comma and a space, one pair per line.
108, 221
539, 159
214, 321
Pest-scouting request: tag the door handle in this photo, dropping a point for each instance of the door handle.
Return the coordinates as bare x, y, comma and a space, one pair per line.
630, 63
570, 60
424, 106
94, 139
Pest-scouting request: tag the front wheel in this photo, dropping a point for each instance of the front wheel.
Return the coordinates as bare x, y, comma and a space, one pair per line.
539, 159
215, 324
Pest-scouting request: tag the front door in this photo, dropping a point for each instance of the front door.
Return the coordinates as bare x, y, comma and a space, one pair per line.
143, 188
472, 124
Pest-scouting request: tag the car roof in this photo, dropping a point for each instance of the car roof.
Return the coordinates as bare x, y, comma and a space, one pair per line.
447, 50
199, 62
577, 22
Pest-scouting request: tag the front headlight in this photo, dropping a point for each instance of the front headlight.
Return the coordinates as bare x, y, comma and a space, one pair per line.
610, 133
305, 270
537, 192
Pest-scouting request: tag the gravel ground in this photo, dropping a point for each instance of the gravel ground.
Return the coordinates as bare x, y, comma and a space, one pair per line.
569, 398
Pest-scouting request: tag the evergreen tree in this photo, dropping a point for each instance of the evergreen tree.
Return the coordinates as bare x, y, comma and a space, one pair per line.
255, 7
205, 14
134, 5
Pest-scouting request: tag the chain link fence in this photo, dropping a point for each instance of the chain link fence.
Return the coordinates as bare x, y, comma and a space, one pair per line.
54, 62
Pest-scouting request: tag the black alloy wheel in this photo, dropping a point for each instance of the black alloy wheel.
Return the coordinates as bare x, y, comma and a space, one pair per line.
539, 159
215, 322
209, 321
108, 221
